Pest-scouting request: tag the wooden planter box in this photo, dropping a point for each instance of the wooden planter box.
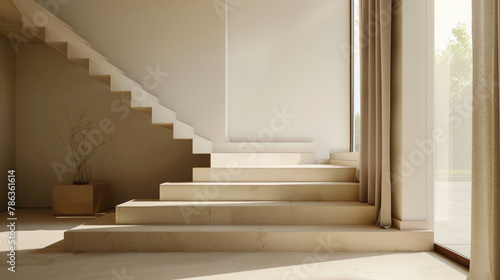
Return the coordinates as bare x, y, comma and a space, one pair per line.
80, 199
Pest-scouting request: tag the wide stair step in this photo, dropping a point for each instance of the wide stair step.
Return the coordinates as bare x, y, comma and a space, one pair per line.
345, 156
141, 212
345, 159
260, 159
269, 147
289, 173
255, 191
351, 163
104, 235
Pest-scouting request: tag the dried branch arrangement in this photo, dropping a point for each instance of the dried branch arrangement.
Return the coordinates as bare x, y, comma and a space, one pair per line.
82, 141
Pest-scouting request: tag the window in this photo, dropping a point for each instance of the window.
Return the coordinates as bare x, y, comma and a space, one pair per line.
453, 119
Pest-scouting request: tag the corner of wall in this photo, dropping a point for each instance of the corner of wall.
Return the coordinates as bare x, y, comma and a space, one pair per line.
412, 108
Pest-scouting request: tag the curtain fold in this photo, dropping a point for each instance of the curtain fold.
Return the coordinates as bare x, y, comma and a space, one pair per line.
375, 131
485, 238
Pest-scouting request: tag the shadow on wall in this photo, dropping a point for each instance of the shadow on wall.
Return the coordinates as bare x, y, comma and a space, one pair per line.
7, 114
141, 157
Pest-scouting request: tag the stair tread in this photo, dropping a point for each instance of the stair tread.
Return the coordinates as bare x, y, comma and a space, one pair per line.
107, 223
272, 147
341, 162
345, 156
201, 138
298, 166
162, 203
304, 143
263, 153
225, 159
261, 183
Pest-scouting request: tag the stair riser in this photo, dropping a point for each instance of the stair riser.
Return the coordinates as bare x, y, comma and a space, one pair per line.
120, 83
269, 147
55, 34
201, 145
162, 115
102, 68
345, 156
142, 99
274, 175
246, 215
83, 52
139, 95
205, 192
257, 149
260, 159
183, 131
351, 163
318, 243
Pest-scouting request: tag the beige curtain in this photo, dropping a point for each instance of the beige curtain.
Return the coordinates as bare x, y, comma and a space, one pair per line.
485, 242
375, 55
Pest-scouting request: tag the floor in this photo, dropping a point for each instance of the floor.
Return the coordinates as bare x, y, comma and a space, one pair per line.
452, 224
40, 255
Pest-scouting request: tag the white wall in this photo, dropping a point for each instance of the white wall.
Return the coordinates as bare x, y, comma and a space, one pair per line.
290, 53
412, 159
184, 37
136, 162
7, 114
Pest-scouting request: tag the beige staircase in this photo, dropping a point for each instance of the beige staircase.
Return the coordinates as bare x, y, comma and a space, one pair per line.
258, 214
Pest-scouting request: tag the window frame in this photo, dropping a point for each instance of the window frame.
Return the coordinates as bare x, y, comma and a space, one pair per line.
351, 76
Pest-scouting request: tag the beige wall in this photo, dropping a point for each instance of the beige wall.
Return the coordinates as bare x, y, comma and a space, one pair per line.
184, 37
7, 114
140, 158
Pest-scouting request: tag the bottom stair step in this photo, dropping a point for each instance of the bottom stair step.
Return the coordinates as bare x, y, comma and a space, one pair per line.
103, 235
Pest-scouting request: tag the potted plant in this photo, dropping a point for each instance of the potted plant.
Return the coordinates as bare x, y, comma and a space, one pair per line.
82, 197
